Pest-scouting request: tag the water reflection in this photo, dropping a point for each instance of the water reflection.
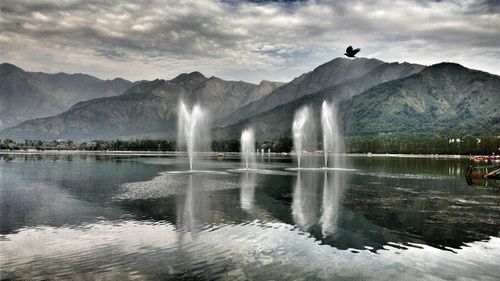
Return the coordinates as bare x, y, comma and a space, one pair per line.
65, 220
305, 200
37, 190
333, 185
193, 210
306, 196
128, 250
247, 194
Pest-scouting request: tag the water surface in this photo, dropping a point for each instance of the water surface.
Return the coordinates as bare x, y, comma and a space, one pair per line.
137, 217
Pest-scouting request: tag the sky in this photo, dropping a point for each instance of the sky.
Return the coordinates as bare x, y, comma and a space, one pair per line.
242, 40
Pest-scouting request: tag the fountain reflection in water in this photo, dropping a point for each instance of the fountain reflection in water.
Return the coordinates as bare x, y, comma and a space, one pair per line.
306, 196
193, 130
192, 209
304, 205
333, 185
247, 193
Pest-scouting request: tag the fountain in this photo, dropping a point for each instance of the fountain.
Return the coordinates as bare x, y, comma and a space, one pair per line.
332, 141
192, 130
247, 147
304, 139
303, 129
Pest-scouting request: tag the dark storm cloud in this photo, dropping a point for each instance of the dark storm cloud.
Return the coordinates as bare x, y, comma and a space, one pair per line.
248, 40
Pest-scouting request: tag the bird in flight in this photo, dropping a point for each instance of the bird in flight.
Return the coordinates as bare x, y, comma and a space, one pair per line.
351, 52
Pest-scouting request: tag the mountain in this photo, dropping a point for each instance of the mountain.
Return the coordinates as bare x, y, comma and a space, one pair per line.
387, 99
148, 109
443, 99
225, 97
277, 121
27, 95
332, 73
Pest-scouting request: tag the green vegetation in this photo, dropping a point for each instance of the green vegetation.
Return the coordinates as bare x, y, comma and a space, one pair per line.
95, 145
442, 100
466, 145
426, 145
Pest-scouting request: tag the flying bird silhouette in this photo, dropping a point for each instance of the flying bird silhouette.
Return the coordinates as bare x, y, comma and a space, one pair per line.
350, 52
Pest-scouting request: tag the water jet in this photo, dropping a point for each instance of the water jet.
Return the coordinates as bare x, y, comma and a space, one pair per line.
332, 139
303, 130
247, 147
192, 130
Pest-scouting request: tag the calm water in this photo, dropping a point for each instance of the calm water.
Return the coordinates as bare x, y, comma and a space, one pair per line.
129, 217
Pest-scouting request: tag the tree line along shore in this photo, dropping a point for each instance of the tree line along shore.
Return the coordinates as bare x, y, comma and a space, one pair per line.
468, 145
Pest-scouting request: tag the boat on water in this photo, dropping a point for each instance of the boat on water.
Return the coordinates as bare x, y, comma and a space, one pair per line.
483, 172
486, 158
485, 175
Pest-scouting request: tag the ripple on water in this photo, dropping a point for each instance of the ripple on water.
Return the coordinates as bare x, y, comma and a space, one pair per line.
403, 176
320, 169
262, 172
168, 184
194, 172
150, 251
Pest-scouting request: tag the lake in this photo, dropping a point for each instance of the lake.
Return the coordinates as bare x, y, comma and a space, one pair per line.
144, 217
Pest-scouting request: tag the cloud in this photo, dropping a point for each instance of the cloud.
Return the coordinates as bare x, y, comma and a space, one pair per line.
247, 40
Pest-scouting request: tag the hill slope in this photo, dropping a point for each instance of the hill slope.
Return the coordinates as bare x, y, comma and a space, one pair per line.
27, 95
326, 75
148, 109
443, 99
278, 120
403, 100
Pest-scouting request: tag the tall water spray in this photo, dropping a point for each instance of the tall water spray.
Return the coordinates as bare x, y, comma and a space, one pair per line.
303, 130
192, 130
332, 138
248, 147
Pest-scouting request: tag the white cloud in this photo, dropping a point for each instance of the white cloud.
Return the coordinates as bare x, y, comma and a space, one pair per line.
242, 40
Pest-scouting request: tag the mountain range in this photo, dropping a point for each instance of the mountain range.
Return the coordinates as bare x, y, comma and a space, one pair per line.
443, 99
374, 98
148, 109
326, 75
28, 95
277, 121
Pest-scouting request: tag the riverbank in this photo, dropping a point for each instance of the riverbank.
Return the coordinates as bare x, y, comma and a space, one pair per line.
182, 153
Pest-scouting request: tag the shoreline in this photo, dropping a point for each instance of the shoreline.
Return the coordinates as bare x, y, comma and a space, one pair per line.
183, 153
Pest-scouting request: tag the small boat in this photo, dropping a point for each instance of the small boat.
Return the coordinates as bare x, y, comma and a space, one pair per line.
480, 158
483, 172
486, 158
